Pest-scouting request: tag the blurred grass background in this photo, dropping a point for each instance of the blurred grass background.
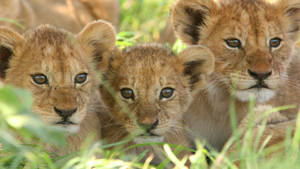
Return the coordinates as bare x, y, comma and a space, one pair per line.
141, 21
145, 18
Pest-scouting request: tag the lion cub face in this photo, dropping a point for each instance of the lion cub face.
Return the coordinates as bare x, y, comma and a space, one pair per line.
148, 88
56, 67
253, 41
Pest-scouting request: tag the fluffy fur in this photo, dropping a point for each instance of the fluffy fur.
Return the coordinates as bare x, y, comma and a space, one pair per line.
147, 69
60, 56
71, 15
253, 23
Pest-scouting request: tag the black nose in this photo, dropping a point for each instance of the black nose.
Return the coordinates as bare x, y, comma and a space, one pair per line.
65, 113
150, 126
259, 76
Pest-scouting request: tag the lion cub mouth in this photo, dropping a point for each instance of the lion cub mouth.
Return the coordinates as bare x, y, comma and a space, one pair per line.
65, 122
148, 134
69, 126
260, 85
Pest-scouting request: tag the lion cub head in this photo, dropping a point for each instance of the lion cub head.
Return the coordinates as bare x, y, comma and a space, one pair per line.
253, 41
56, 67
148, 88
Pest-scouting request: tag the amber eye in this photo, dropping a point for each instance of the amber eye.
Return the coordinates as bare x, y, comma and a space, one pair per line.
39, 79
233, 43
127, 93
166, 93
275, 43
81, 78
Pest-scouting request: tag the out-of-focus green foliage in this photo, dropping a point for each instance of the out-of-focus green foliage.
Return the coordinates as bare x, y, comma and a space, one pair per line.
21, 131
146, 18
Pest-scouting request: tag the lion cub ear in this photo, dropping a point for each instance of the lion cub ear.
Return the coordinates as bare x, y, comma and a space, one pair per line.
189, 17
10, 44
98, 39
199, 63
292, 11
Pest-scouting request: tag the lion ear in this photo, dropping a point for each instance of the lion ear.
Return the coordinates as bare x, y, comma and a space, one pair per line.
189, 17
10, 44
199, 63
292, 11
98, 39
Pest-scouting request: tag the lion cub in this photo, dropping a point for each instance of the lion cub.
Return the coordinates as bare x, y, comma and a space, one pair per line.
148, 89
254, 43
57, 68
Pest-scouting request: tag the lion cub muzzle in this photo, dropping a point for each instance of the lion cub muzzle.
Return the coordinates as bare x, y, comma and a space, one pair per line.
260, 77
148, 127
65, 114
148, 134
66, 107
260, 69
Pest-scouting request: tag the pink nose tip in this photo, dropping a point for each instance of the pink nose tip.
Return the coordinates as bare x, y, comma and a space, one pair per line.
148, 126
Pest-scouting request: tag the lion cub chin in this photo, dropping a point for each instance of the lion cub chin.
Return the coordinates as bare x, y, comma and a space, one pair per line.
57, 67
147, 89
148, 139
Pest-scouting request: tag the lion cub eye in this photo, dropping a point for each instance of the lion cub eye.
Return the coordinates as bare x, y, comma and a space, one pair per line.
39, 79
233, 43
80, 78
127, 93
275, 43
166, 93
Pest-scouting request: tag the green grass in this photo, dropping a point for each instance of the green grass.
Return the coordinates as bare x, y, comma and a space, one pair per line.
17, 121
142, 21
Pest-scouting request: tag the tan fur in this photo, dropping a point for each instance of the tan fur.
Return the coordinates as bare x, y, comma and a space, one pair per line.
71, 15
60, 56
254, 23
108, 10
147, 69
167, 35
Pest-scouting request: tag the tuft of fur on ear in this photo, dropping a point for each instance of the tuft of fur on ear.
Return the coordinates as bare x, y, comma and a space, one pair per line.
188, 18
98, 38
199, 63
292, 10
10, 42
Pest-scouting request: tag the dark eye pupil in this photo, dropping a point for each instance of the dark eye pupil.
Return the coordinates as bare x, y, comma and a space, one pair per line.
81, 78
166, 93
127, 93
275, 42
40, 79
234, 43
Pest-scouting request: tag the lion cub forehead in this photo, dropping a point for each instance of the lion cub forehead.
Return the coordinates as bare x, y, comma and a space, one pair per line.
148, 64
48, 34
55, 50
148, 59
148, 55
248, 19
49, 42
